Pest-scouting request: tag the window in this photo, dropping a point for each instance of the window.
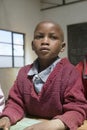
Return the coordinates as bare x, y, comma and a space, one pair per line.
11, 49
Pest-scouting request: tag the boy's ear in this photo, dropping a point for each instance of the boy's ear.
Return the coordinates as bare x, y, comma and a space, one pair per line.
63, 46
32, 45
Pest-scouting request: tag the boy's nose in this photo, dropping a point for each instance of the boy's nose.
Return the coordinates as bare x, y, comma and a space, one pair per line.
46, 40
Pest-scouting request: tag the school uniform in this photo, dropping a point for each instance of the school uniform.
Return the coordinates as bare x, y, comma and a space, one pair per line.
60, 95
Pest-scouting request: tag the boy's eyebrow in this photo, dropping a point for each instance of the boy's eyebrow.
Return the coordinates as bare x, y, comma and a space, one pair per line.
38, 32
52, 33
43, 32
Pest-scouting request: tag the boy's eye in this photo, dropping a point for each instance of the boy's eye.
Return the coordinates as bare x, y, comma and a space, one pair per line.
54, 37
38, 37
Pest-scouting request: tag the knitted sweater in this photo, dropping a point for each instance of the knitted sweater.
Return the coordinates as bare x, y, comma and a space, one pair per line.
61, 96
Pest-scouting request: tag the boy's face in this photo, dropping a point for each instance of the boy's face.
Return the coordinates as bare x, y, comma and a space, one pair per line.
47, 41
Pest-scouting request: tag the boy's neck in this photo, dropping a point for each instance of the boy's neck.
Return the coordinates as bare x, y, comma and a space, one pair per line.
43, 64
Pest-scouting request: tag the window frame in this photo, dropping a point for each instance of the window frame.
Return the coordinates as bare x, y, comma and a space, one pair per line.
12, 49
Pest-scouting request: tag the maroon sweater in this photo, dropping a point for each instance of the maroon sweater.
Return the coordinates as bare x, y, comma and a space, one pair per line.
61, 96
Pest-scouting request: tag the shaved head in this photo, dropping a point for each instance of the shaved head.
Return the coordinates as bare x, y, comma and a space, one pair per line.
55, 24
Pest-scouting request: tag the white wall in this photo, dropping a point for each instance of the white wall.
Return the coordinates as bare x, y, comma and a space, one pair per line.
20, 16
66, 15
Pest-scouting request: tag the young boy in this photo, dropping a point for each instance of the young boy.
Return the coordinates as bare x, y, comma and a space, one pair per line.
50, 88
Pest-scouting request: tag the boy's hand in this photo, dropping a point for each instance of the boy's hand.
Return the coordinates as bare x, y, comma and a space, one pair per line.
5, 123
84, 126
55, 124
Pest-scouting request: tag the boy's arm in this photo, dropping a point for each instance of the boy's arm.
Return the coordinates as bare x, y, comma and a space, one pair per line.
14, 108
75, 104
84, 126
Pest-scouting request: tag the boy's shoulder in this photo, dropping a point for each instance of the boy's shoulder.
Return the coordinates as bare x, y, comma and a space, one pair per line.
66, 66
25, 68
66, 62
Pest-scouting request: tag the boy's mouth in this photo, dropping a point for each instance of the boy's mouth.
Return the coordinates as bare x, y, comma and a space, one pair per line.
44, 49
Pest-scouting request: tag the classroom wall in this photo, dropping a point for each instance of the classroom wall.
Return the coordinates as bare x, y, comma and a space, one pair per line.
21, 16
66, 15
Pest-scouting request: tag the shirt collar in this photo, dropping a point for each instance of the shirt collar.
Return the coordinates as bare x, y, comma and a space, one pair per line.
45, 73
34, 69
